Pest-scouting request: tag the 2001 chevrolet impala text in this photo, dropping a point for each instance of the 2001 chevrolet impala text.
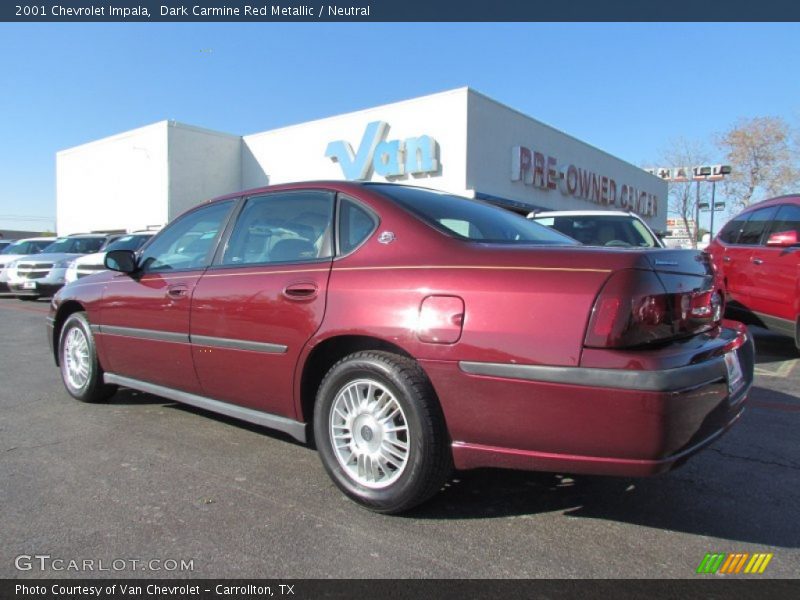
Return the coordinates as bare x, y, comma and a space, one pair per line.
411, 331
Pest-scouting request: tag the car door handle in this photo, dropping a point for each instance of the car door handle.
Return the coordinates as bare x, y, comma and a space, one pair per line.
177, 291
726, 259
757, 261
301, 291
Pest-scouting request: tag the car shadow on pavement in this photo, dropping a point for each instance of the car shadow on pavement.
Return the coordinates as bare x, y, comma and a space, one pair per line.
743, 490
206, 414
669, 502
773, 347
126, 396
778, 402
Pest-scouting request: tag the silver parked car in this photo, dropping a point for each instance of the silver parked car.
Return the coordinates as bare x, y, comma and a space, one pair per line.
18, 249
32, 277
89, 264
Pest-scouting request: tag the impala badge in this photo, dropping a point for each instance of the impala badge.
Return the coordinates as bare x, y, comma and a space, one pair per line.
386, 237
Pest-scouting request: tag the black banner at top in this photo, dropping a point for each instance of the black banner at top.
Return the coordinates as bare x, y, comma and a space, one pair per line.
395, 10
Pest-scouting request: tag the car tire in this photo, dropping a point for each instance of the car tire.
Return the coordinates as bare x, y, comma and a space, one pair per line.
380, 431
80, 369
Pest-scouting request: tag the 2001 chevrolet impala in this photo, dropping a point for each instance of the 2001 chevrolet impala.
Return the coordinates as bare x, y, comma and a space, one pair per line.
412, 331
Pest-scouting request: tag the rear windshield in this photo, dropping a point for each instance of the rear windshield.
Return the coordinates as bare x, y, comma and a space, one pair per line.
602, 230
468, 219
75, 245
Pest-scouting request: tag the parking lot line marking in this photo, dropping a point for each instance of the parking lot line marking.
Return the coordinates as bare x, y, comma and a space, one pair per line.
784, 369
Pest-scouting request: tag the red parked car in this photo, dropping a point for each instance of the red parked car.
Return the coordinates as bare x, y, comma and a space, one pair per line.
757, 254
410, 331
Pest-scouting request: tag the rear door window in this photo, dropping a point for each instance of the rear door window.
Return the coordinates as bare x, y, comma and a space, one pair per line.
282, 227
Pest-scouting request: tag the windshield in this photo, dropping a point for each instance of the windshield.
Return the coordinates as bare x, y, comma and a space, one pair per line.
75, 245
468, 219
602, 230
26, 247
129, 242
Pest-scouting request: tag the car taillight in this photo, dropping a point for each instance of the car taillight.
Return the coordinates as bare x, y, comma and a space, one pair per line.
634, 308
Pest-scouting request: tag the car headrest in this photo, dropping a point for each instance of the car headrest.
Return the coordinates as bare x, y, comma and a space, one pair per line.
292, 249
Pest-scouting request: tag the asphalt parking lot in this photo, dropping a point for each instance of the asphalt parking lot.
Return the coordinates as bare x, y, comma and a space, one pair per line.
144, 479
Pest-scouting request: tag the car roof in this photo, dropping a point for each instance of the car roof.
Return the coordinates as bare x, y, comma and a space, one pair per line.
35, 239
582, 213
786, 199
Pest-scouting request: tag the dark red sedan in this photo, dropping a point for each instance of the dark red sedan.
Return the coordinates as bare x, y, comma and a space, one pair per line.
410, 331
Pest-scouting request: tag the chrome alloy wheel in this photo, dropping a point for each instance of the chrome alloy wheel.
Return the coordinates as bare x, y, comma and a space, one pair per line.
369, 433
75, 357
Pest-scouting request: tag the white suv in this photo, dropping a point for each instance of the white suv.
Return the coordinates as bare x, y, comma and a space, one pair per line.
600, 227
18, 249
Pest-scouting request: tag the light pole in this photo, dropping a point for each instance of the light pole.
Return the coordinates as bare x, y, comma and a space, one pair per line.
700, 174
713, 210
721, 171
696, 214
712, 174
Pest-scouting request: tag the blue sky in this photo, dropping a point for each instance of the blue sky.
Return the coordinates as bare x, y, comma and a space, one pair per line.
626, 88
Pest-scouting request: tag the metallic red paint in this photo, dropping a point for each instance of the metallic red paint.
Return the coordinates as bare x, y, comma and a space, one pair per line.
761, 280
522, 306
251, 304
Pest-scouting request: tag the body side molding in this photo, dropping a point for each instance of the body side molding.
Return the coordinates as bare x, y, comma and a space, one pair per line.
296, 429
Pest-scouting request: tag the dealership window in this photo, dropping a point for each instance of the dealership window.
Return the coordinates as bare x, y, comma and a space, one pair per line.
752, 230
282, 227
188, 242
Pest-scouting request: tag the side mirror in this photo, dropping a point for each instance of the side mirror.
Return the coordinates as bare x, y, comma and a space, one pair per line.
783, 239
123, 261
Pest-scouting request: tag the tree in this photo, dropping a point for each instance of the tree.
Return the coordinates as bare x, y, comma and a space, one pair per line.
683, 196
763, 159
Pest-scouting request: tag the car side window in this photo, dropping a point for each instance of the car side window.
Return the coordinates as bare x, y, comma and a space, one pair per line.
752, 230
282, 227
355, 225
732, 229
787, 219
188, 242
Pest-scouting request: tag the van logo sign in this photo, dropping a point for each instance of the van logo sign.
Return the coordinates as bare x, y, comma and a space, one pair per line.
387, 158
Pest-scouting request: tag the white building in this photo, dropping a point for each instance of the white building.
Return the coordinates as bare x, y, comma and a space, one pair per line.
459, 141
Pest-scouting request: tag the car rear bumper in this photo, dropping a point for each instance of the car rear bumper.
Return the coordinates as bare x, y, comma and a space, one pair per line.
625, 422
